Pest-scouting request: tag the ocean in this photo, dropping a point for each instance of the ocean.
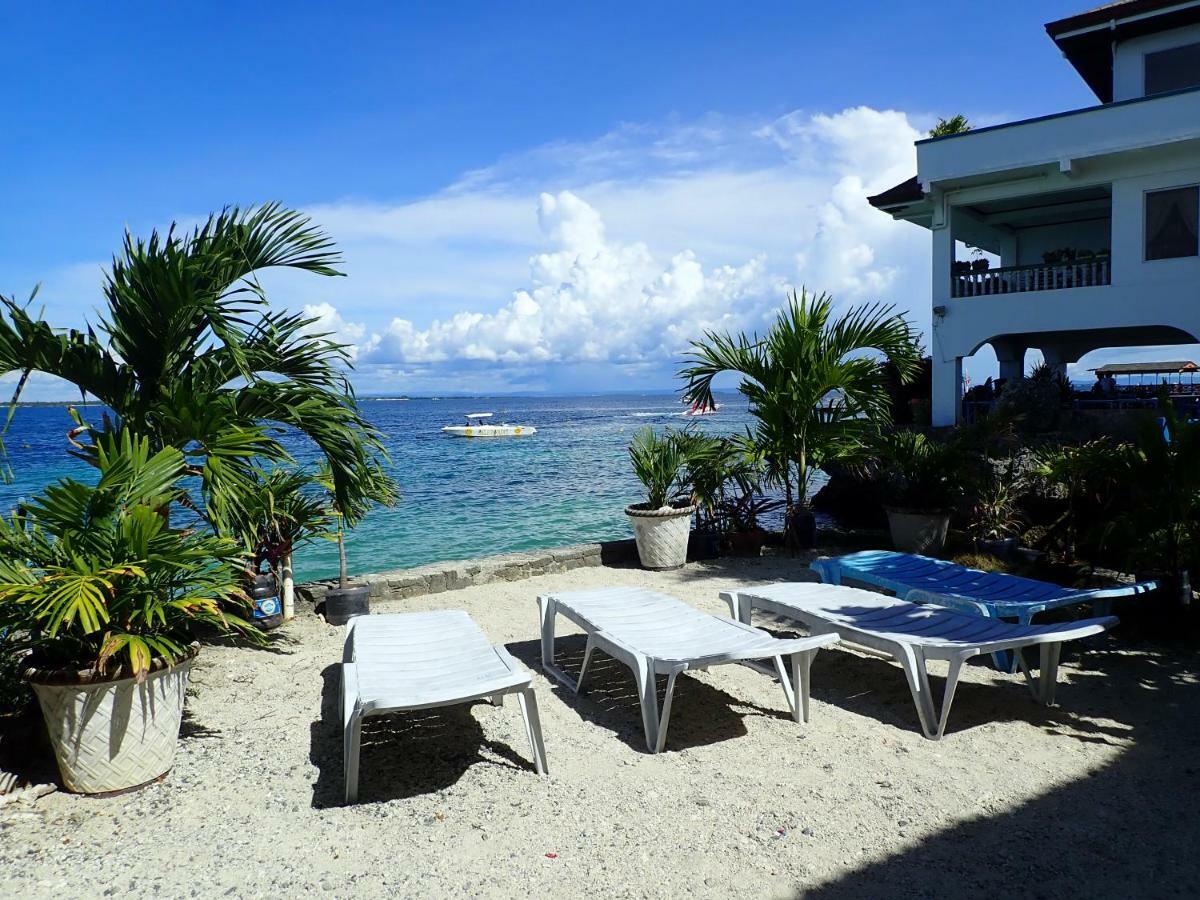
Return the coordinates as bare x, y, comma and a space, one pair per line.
461, 497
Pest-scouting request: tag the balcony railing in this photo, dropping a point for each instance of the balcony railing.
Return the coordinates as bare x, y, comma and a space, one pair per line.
1019, 279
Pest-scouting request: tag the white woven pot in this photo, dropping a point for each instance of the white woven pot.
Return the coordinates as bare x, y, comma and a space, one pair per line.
661, 534
918, 531
112, 735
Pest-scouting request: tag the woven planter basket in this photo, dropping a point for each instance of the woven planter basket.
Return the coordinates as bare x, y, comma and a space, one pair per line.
112, 735
661, 534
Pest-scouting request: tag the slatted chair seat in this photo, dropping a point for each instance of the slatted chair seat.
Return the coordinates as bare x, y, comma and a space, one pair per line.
410, 661
913, 634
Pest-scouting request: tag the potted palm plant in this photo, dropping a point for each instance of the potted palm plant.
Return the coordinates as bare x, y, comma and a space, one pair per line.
996, 515
712, 462
662, 523
105, 596
816, 396
922, 485
189, 353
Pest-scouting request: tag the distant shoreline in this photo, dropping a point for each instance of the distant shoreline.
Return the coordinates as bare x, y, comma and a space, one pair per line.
388, 398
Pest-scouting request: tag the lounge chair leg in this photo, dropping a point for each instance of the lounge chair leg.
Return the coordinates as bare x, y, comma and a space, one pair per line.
587, 661
548, 610
952, 675
801, 665
643, 673
666, 712
739, 608
496, 699
533, 728
351, 742
913, 664
788, 683
1048, 674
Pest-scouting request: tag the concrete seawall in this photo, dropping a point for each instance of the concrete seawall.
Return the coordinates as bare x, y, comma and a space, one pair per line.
448, 576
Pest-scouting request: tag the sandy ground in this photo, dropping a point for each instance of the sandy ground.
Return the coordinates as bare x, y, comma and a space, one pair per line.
1093, 798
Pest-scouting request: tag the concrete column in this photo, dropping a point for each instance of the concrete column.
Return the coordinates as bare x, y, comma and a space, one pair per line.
947, 367
1011, 357
947, 390
1056, 359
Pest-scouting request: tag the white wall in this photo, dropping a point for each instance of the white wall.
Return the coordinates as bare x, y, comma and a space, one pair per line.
1130, 267
1155, 292
1128, 66
1033, 242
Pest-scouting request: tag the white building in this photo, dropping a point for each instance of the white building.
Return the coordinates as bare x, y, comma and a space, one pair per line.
1092, 213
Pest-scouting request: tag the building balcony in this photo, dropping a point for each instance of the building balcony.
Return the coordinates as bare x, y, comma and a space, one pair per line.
1021, 279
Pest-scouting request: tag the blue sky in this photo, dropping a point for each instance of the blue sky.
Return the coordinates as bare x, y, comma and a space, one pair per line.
530, 196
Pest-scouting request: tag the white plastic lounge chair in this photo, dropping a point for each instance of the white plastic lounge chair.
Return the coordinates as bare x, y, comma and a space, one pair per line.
655, 634
408, 661
914, 633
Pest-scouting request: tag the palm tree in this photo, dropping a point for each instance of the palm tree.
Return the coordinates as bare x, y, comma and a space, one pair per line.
187, 354
816, 392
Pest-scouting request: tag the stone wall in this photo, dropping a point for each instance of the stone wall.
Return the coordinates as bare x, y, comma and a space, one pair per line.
449, 576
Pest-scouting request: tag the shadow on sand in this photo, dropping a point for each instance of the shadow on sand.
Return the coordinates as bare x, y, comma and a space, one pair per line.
701, 714
1128, 829
403, 754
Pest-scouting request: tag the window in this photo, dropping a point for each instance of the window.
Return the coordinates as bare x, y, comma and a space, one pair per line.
1171, 223
1172, 70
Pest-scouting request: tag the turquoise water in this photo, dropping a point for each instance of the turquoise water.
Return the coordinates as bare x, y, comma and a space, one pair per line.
462, 498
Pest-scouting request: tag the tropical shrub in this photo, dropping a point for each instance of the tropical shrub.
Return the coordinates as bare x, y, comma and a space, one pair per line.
1088, 481
188, 355
289, 507
816, 392
1159, 527
93, 576
1035, 403
920, 473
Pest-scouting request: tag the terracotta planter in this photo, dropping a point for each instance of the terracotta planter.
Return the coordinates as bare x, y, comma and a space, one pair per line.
918, 530
661, 534
112, 735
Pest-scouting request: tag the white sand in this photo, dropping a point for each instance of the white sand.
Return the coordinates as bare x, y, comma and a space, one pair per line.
1094, 798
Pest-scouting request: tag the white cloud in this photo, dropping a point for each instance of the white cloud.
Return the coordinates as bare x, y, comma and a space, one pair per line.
629, 247
594, 263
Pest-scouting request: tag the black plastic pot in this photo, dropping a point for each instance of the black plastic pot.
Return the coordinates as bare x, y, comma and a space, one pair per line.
1174, 590
803, 527
344, 603
268, 609
704, 545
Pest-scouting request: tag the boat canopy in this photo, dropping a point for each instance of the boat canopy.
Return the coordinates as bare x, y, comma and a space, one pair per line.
1174, 367
480, 415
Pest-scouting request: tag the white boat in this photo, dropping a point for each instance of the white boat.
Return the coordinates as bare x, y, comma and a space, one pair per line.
698, 410
478, 426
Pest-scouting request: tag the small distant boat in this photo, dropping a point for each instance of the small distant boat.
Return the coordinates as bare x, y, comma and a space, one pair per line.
478, 426
697, 410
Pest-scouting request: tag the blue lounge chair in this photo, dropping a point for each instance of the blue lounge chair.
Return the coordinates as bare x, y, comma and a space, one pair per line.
920, 579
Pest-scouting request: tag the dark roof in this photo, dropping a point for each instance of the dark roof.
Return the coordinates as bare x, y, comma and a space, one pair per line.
1176, 367
902, 194
1086, 38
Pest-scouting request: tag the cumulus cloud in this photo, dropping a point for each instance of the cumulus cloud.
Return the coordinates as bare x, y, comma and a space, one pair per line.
591, 299
629, 247
594, 263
